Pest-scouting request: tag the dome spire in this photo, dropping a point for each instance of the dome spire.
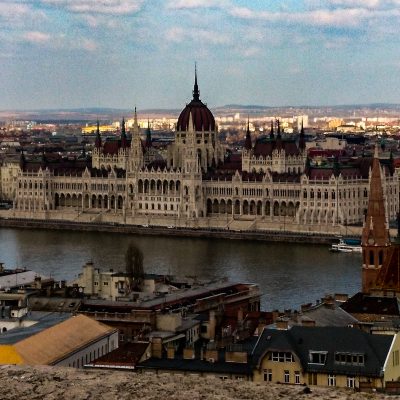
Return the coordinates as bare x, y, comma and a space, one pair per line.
247, 143
196, 91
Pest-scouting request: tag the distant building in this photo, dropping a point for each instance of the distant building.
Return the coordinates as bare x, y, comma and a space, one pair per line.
196, 183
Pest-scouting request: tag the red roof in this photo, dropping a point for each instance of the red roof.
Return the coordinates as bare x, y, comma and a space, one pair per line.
201, 116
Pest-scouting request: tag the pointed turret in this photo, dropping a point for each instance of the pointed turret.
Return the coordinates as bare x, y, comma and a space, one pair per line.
97, 141
196, 91
279, 136
247, 142
124, 140
148, 143
302, 138
336, 166
22, 160
271, 133
391, 163
375, 235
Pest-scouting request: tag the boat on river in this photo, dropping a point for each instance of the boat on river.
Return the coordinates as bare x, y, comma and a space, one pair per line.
347, 246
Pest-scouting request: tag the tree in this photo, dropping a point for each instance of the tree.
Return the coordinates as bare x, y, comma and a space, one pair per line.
134, 266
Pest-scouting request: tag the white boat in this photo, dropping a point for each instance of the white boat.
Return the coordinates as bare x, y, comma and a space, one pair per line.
344, 247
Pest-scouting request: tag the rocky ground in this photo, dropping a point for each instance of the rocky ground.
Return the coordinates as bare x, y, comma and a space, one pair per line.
67, 384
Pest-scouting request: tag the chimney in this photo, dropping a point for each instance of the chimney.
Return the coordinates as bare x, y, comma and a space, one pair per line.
282, 324
170, 352
156, 347
212, 325
188, 353
341, 297
308, 322
240, 315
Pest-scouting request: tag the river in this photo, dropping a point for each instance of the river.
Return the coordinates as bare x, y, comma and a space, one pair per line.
288, 274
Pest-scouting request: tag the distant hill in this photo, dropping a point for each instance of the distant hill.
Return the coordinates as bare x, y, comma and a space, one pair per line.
90, 114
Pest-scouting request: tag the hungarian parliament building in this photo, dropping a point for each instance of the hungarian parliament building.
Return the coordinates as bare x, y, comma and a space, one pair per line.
196, 183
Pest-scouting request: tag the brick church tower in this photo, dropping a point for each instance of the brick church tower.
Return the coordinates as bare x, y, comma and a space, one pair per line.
375, 236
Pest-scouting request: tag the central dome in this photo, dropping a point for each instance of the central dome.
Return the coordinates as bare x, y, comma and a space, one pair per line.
201, 116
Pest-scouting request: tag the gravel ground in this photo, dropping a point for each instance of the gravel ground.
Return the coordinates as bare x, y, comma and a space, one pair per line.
70, 384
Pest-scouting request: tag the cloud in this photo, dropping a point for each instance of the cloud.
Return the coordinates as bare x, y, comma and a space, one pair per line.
324, 17
112, 7
188, 4
177, 34
36, 37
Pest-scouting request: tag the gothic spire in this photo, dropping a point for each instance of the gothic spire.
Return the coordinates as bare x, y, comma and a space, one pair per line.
196, 91
124, 141
97, 142
302, 141
148, 135
375, 235
271, 133
279, 136
247, 143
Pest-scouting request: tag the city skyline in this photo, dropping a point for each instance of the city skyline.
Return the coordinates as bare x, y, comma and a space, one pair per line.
121, 53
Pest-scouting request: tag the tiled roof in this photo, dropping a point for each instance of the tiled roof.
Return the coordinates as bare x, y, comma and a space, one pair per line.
56, 342
301, 340
362, 303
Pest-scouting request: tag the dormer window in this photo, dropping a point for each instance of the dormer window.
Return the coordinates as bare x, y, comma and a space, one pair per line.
349, 358
317, 357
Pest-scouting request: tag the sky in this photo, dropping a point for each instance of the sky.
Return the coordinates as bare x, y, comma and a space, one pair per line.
126, 53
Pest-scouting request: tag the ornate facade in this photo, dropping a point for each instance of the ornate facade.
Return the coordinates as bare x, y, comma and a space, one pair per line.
200, 184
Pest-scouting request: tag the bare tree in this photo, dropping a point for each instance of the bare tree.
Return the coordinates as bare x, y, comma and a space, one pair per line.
134, 266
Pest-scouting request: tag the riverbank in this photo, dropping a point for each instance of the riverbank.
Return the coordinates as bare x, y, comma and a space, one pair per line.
47, 383
218, 233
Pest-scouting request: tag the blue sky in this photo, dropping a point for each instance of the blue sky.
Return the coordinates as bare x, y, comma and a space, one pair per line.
122, 53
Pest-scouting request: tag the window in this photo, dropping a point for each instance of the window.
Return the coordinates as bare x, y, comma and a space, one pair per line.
297, 377
349, 358
267, 375
105, 283
351, 382
312, 379
331, 380
286, 376
281, 356
317, 357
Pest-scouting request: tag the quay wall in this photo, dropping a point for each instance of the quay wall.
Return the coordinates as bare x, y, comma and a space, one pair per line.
219, 233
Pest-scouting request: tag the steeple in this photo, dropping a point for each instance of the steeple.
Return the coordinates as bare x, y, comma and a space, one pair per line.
196, 91
22, 160
97, 141
302, 141
247, 143
148, 143
271, 133
124, 140
375, 236
279, 136
391, 163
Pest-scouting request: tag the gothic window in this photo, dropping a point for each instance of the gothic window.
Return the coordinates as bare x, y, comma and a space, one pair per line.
371, 257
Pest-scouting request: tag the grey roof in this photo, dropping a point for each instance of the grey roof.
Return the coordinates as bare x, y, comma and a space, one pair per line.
180, 364
301, 340
43, 321
19, 279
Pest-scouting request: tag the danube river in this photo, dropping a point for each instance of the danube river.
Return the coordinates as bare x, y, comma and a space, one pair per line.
288, 274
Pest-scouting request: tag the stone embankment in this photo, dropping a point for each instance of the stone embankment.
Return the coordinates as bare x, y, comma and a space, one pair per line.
267, 236
48, 383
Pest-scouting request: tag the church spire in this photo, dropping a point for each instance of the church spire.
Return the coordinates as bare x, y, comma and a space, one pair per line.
375, 236
124, 140
302, 141
97, 142
148, 135
271, 133
196, 91
247, 143
279, 136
